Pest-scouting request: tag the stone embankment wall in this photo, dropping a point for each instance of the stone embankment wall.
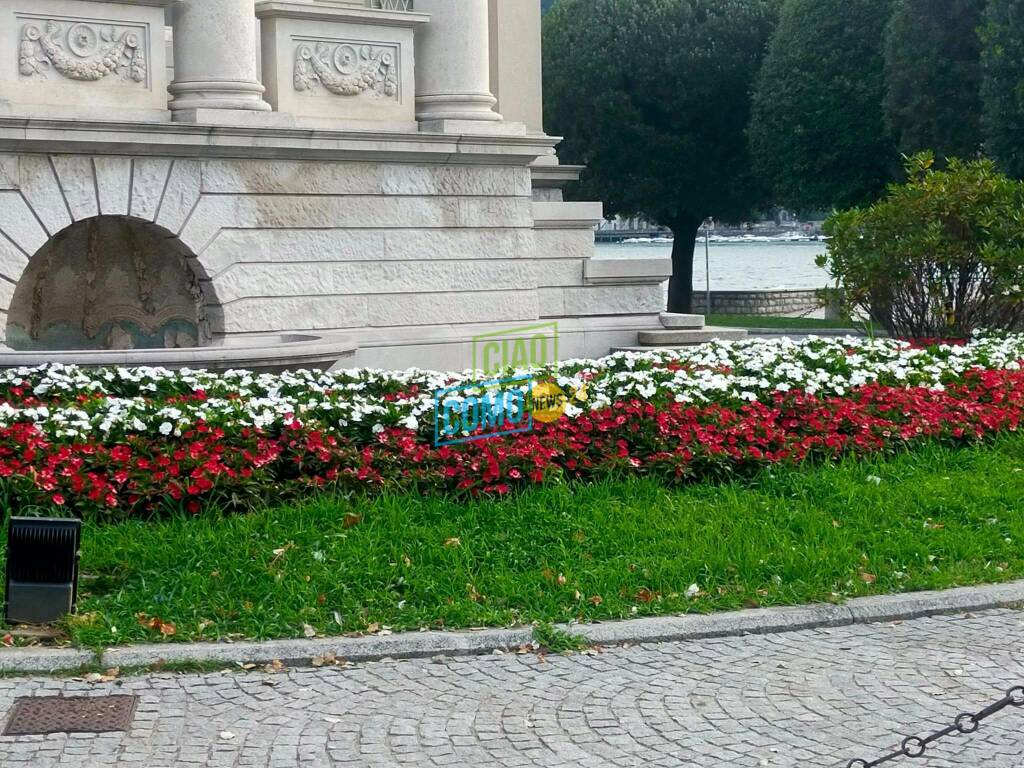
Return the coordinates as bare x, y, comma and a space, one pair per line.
756, 302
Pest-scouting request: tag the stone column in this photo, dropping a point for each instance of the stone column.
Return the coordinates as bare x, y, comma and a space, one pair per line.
453, 65
215, 59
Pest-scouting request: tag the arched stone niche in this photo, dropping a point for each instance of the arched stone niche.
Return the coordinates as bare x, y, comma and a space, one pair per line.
109, 282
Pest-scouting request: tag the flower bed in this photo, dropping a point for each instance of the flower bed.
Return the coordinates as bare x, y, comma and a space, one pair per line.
129, 441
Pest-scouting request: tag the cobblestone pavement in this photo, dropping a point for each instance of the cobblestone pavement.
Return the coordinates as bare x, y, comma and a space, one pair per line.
815, 698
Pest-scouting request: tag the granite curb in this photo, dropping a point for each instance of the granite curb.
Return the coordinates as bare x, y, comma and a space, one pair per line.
409, 645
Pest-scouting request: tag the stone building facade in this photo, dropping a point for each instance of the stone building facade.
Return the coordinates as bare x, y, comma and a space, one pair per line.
292, 168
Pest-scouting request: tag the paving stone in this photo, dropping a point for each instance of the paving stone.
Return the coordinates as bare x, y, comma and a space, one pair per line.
817, 697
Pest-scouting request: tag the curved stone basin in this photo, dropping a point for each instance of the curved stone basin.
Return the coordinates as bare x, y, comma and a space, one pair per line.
269, 354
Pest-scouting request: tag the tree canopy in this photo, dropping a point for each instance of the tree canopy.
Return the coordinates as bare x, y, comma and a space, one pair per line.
818, 132
933, 74
1003, 84
654, 98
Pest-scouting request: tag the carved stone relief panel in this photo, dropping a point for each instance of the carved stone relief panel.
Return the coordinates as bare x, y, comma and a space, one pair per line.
347, 69
84, 51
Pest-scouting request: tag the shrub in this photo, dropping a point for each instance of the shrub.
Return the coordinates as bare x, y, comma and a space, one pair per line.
939, 256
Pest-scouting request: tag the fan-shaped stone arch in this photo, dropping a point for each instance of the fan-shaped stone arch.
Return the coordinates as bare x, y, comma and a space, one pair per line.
44, 197
111, 282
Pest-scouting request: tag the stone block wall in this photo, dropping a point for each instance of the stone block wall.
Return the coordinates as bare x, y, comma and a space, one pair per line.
411, 257
756, 302
297, 246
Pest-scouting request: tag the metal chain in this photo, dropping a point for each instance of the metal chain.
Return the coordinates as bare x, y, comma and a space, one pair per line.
965, 723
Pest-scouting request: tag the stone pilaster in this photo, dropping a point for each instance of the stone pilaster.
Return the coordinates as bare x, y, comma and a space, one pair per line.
515, 53
215, 59
453, 66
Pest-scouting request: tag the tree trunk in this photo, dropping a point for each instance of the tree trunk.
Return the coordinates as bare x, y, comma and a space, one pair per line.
680, 286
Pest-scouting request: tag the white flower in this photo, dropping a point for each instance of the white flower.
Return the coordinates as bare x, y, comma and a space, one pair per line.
166, 428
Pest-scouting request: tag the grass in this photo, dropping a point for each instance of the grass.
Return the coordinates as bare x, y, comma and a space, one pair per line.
929, 519
772, 321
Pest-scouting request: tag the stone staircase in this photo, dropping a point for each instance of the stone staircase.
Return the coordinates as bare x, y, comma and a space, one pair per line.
681, 331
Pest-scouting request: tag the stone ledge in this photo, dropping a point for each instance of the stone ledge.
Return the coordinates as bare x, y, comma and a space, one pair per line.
274, 353
567, 215
39, 135
627, 271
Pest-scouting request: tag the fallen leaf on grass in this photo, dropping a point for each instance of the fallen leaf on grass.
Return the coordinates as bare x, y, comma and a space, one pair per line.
308, 631
323, 661
645, 595
7, 640
165, 628
867, 578
453, 543
351, 520
595, 600
281, 551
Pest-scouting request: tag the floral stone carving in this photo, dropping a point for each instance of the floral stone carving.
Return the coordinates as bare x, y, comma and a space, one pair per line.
82, 51
346, 69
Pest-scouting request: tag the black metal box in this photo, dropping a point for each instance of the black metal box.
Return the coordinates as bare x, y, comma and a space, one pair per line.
42, 569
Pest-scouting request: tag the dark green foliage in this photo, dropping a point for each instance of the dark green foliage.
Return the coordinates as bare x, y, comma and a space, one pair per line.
1003, 84
939, 256
933, 70
545, 5
818, 133
654, 97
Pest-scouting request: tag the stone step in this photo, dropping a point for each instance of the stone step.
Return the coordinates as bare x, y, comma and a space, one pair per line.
673, 320
686, 337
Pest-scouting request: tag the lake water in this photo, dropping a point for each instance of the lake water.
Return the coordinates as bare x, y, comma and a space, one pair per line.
740, 266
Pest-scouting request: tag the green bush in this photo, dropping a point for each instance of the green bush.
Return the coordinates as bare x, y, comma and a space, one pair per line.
939, 256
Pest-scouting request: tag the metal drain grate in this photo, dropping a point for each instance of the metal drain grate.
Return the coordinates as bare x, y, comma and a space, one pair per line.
40, 715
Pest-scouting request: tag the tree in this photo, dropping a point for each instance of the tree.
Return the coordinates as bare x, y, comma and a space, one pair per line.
545, 5
939, 256
654, 98
1003, 83
933, 74
818, 131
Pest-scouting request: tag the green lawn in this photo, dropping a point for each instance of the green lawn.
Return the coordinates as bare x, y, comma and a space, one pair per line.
930, 519
771, 321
